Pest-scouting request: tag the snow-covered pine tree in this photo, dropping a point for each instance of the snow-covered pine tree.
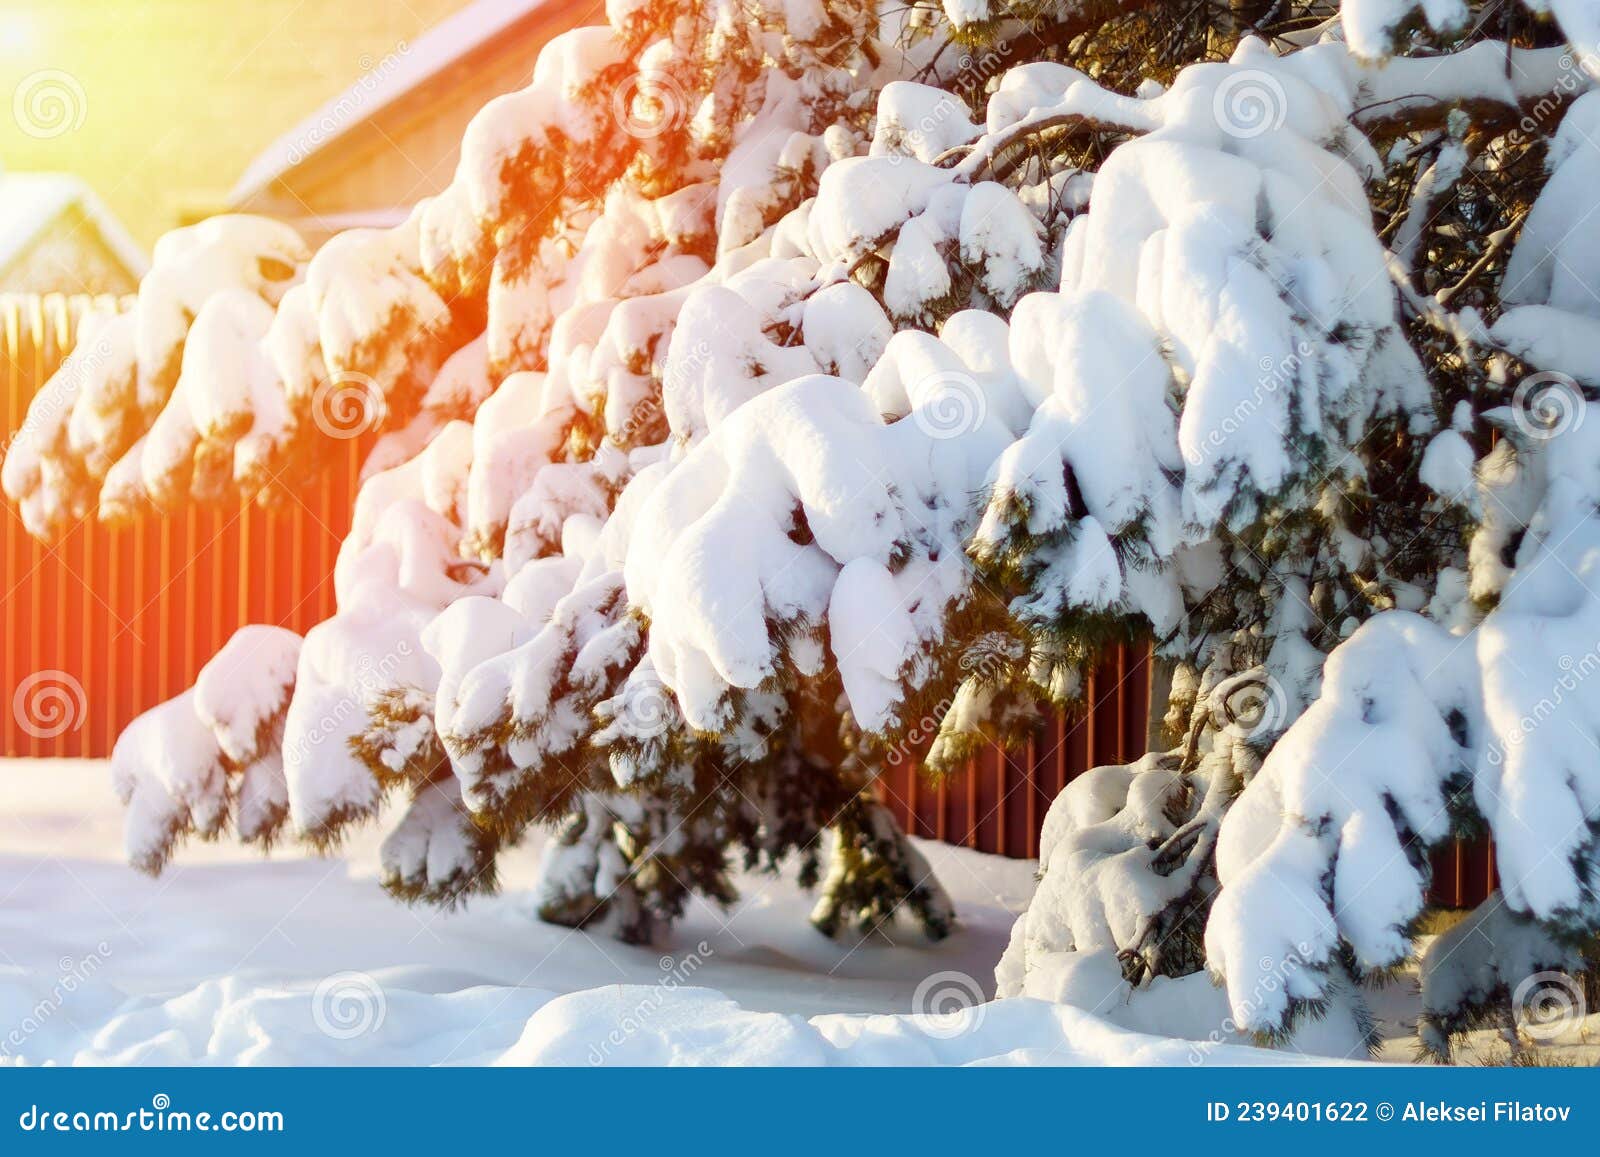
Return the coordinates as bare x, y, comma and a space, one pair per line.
1280, 848
771, 378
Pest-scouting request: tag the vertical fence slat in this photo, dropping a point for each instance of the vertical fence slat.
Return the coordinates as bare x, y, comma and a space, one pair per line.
1031, 815
36, 653
15, 540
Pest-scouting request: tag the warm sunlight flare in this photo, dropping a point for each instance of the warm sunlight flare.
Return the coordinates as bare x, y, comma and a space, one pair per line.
19, 35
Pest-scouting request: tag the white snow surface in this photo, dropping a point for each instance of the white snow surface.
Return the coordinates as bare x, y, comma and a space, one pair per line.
232, 959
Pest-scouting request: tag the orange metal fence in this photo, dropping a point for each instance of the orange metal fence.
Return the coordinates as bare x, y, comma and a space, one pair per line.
106, 623
103, 624
999, 802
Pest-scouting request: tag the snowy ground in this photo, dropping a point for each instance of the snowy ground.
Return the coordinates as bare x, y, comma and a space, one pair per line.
229, 958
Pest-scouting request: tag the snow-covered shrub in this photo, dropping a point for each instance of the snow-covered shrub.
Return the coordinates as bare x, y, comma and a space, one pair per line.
771, 379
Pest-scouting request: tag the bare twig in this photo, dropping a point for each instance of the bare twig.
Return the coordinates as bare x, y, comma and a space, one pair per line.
1498, 241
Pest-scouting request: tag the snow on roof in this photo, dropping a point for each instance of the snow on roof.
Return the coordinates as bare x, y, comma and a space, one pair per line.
30, 202
382, 84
